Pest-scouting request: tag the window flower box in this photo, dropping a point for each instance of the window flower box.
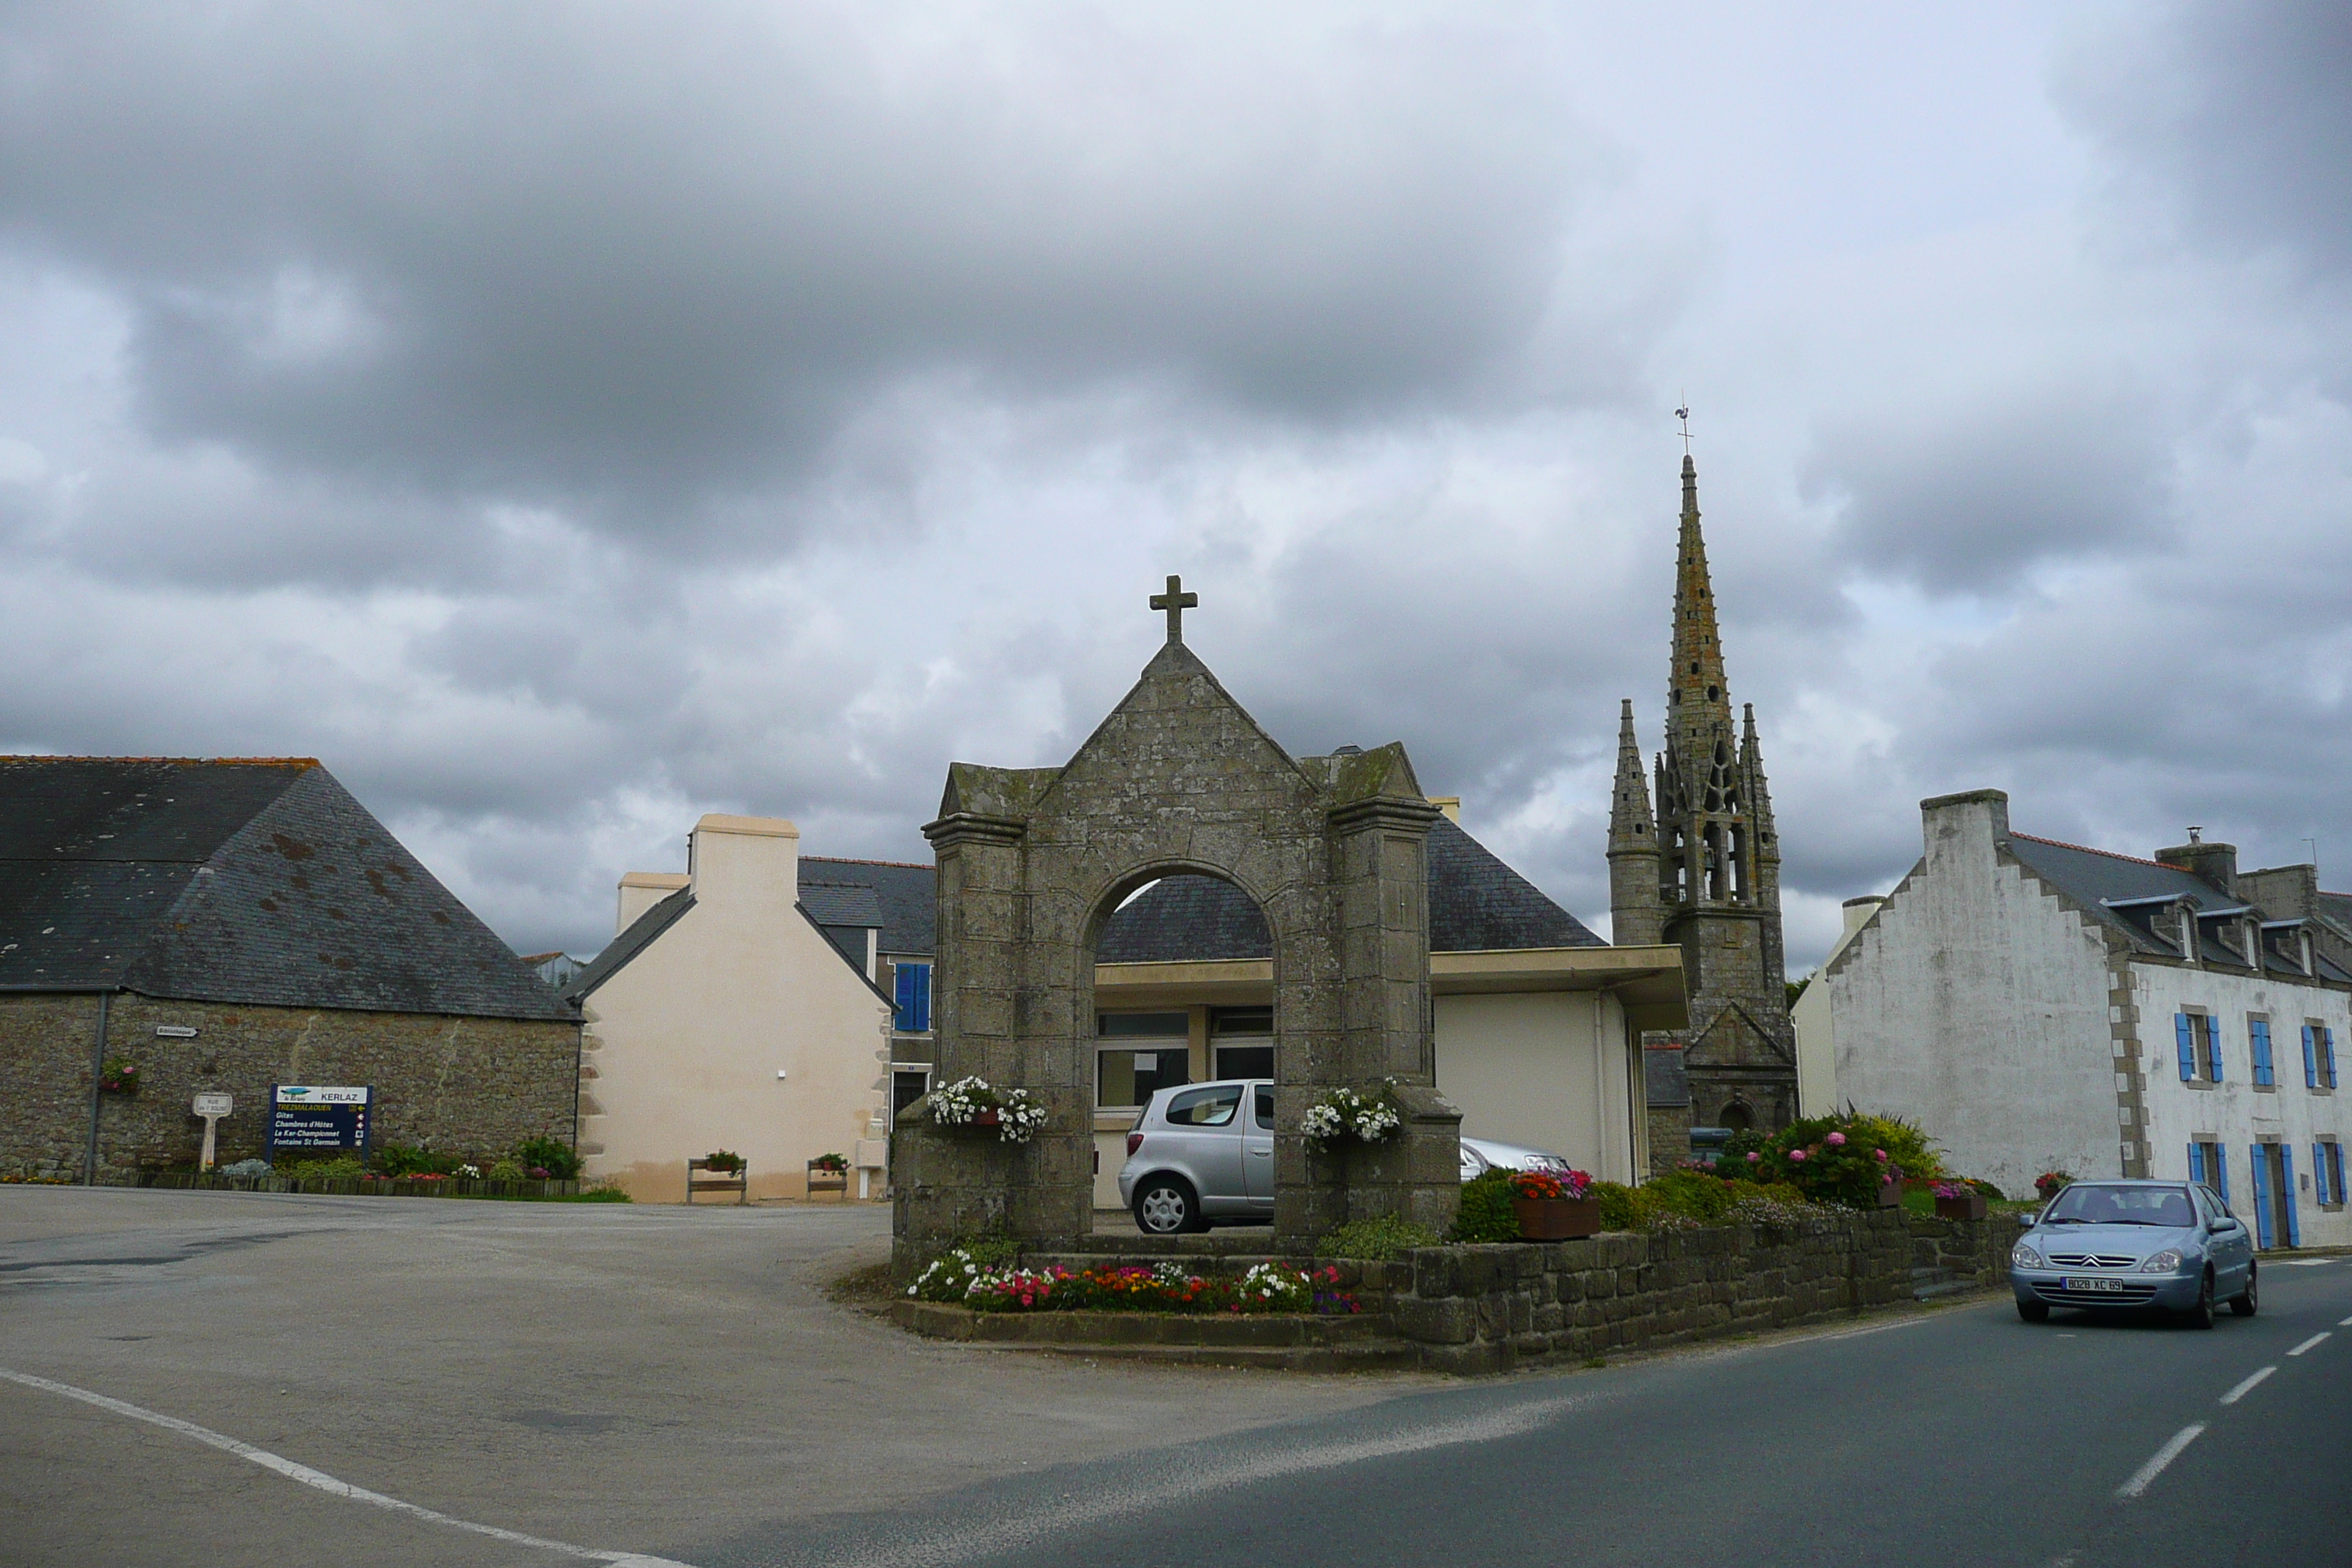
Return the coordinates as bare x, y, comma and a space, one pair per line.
1552, 1205
1958, 1200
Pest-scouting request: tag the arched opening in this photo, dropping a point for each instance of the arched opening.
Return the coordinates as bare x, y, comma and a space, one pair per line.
1736, 1116
1183, 995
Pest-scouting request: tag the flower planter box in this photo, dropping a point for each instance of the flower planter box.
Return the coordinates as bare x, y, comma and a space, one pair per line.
1890, 1194
1970, 1207
1557, 1219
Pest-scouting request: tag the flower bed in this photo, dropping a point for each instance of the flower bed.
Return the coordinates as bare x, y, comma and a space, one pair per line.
972, 1277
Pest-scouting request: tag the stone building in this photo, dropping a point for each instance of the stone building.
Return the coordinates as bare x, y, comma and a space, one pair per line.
1703, 871
224, 926
752, 1004
2038, 1005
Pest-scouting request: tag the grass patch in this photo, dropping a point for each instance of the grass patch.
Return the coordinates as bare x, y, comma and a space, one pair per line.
867, 1286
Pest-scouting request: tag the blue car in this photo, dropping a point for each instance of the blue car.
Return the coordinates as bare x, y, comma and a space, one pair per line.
2168, 1247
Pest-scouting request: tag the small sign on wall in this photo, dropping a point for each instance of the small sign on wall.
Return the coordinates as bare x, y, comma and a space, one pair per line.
318, 1116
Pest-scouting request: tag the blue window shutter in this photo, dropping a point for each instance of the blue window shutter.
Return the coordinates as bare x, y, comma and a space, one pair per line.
2196, 1161
2213, 1044
2222, 1170
2182, 1032
2327, 1056
2335, 1165
2310, 1061
923, 997
905, 984
2261, 1198
2286, 1194
2258, 1043
2319, 1173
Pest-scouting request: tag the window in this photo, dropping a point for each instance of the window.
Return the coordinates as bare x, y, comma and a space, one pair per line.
2199, 1035
2206, 1163
1157, 1024
1241, 1040
1211, 1107
907, 1085
2328, 1171
2258, 1036
1264, 1110
2318, 1057
1126, 1077
914, 983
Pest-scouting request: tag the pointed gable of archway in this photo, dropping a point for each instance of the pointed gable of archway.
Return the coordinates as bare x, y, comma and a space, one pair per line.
1178, 778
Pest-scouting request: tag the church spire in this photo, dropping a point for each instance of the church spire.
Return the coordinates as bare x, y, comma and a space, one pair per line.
1698, 704
1636, 911
1759, 798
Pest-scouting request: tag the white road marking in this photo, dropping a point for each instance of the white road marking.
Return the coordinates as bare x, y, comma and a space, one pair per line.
2305, 1262
2155, 1466
327, 1483
2344, 1323
2314, 1339
2246, 1387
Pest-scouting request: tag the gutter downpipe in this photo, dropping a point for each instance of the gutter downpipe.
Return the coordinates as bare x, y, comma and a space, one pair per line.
97, 1076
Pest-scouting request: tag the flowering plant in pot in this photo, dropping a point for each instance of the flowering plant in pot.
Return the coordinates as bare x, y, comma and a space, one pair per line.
2049, 1184
120, 1078
1343, 1114
974, 1103
831, 1164
1555, 1205
725, 1160
1958, 1200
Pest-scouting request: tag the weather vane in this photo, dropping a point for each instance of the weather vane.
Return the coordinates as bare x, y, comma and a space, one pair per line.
1683, 414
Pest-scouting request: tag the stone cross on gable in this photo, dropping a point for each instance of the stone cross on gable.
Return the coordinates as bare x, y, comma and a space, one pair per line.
1175, 602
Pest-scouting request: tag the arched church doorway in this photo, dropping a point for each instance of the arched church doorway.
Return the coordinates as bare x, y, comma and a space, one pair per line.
1736, 1116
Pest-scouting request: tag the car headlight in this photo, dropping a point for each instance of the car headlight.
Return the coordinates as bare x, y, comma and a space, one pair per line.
2024, 1257
2165, 1262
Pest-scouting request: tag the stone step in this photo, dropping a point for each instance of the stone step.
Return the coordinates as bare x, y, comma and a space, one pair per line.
1368, 1355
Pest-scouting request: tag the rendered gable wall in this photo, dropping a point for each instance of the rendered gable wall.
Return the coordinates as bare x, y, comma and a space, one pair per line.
1976, 1004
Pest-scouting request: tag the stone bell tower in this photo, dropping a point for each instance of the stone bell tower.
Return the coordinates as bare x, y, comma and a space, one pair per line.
1704, 873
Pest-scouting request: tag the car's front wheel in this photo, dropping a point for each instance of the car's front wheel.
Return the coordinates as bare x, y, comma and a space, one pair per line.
2200, 1316
2243, 1303
2034, 1311
1164, 1205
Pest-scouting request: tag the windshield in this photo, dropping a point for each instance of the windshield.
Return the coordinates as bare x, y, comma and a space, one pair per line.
2086, 1203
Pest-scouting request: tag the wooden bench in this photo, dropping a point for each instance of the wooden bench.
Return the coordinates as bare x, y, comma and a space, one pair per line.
737, 1182
821, 1180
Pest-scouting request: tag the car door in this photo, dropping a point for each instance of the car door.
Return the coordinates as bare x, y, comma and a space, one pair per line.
1207, 1124
2229, 1245
1257, 1149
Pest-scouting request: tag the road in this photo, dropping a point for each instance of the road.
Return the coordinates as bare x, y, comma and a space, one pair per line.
600, 1382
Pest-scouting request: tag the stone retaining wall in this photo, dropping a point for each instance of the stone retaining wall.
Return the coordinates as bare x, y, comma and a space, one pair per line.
1489, 1308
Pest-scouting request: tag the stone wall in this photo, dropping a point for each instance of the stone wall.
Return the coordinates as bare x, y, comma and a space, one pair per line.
1489, 1308
464, 1085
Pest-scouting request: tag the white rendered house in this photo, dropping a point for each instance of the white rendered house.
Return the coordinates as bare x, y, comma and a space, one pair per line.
737, 1009
2036, 1005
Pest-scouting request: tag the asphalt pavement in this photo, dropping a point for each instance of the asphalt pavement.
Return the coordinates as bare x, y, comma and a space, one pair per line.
239, 1379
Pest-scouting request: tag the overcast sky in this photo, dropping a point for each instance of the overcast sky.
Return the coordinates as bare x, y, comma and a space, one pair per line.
565, 420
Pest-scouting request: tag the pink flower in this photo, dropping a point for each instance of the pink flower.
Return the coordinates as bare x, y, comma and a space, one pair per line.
1880, 1152
1835, 1140
1753, 1156
1797, 1154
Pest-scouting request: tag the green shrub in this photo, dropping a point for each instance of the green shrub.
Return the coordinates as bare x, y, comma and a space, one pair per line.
339, 1167
553, 1156
1486, 1214
1379, 1239
506, 1171
1989, 1190
408, 1160
1836, 1159
1618, 1211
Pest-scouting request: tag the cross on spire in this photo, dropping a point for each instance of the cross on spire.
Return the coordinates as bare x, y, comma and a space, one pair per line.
1175, 602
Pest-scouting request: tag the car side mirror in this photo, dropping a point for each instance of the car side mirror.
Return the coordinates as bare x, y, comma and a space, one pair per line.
2220, 1223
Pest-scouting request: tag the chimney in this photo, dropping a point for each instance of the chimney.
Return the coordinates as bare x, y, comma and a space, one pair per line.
1859, 911
1971, 823
733, 857
2215, 865
1451, 804
640, 890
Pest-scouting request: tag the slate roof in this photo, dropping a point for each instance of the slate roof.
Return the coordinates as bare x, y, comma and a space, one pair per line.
842, 904
908, 896
636, 939
2096, 879
260, 881
1476, 903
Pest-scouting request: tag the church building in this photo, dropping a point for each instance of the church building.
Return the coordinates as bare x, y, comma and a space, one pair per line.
1703, 873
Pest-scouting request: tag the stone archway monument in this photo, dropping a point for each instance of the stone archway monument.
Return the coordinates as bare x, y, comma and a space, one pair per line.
1178, 779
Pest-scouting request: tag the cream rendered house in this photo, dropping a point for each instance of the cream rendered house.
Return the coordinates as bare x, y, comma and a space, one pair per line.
725, 1016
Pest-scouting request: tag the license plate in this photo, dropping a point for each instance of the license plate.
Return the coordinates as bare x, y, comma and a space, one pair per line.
2075, 1283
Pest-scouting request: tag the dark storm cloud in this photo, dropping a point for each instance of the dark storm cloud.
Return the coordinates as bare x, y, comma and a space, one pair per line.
1967, 500
640, 260
2235, 113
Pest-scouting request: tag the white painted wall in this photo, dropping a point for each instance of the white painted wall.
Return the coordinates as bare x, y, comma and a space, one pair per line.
687, 1040
1976, 1005
1550, 1069
2235, 1112
1817, 1091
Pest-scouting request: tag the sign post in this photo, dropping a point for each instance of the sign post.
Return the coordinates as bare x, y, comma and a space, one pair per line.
318, 1116
212, 1108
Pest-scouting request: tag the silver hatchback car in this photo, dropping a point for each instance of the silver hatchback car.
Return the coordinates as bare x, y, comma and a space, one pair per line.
1204, 1152
2156, 1245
